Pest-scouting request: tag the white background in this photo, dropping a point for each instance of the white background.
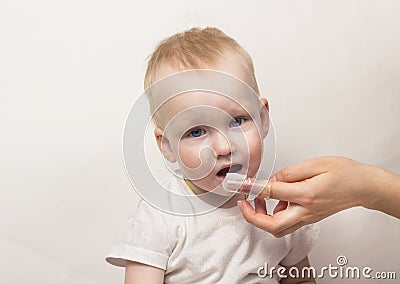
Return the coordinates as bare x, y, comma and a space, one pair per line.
71, 70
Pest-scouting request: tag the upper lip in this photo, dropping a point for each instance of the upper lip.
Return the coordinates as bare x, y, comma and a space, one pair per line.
227, 166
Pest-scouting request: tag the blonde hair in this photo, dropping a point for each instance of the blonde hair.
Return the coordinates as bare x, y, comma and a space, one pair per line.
194, 48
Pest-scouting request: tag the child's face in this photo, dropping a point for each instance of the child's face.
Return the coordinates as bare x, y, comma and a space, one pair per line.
210, 134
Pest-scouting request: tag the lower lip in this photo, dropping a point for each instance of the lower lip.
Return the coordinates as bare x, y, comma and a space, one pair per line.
221, 178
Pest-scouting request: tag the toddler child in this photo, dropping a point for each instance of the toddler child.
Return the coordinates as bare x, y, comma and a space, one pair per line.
208, 134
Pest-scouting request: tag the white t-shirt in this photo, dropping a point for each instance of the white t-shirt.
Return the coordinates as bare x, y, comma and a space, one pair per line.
216, 247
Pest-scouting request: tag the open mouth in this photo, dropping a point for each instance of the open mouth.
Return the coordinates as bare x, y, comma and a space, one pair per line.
229, 169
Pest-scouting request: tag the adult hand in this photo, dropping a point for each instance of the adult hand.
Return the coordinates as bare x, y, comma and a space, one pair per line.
319, 187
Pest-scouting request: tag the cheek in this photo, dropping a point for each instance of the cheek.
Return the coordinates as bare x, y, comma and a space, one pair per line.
189, 155
255, 150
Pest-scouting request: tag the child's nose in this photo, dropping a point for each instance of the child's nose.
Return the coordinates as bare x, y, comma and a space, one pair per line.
221, 146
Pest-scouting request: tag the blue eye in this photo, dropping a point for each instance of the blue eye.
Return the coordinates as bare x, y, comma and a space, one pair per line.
197, 132
236, 122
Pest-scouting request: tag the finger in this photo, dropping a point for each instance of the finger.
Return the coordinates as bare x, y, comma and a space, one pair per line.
272, 224
260, 205
302, 171
293, 192
293, 216
282, 205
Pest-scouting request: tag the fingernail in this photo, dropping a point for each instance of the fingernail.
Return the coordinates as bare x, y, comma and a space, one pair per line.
273, 178
239, 204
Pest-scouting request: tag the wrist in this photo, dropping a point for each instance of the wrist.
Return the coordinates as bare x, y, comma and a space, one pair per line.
374, 177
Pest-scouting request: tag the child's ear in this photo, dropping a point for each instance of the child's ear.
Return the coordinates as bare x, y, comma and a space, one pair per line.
264, 114
163, 145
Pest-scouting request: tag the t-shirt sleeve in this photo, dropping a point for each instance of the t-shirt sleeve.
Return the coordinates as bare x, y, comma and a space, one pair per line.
146, 239
301, 242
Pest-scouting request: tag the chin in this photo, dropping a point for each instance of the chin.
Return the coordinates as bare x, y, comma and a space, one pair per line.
220, 191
